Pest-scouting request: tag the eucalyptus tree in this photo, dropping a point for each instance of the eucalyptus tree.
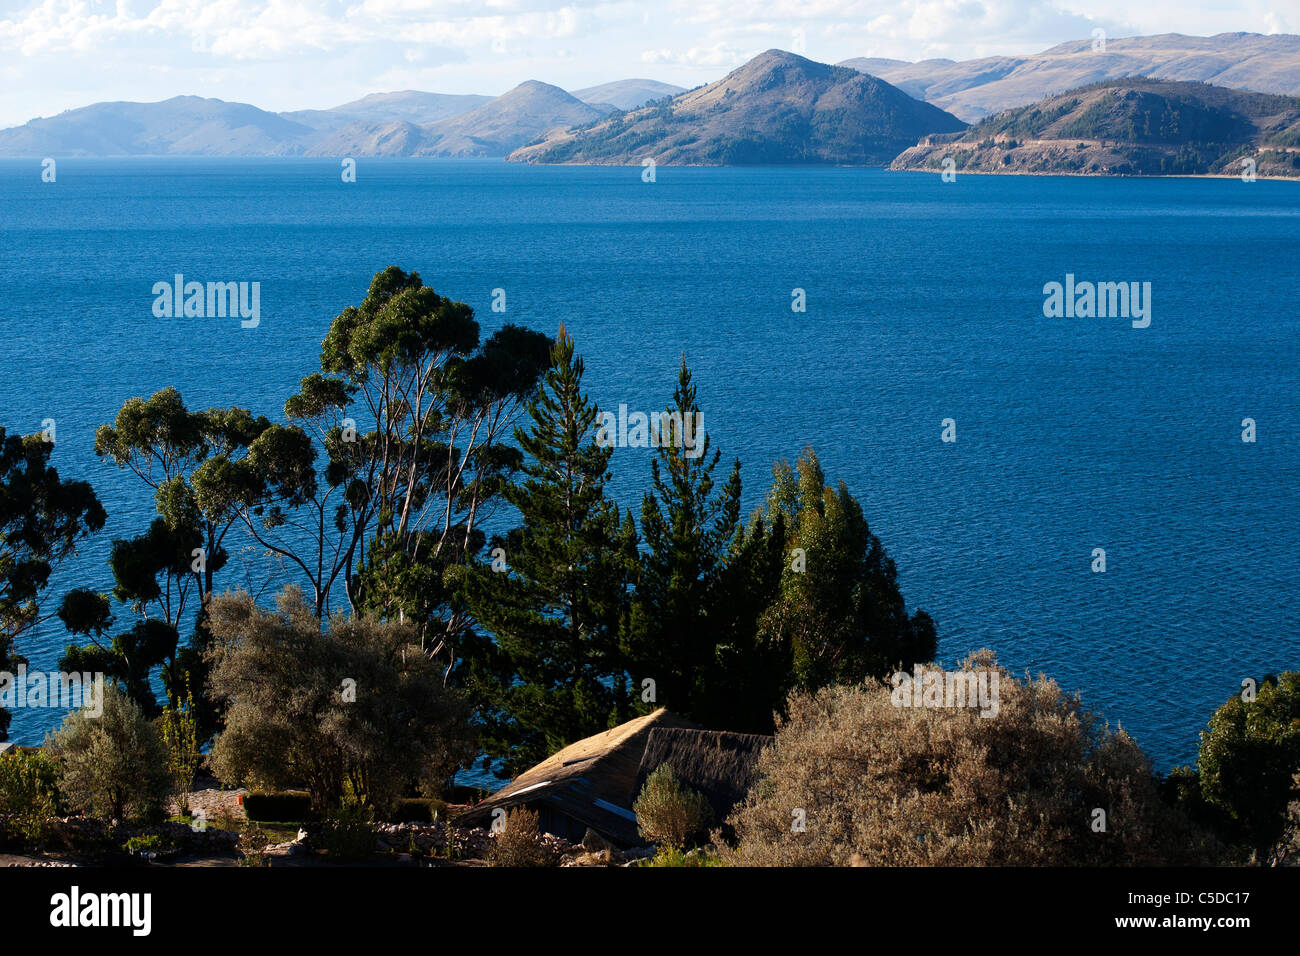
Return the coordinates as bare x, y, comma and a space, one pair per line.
43, 518
419, 410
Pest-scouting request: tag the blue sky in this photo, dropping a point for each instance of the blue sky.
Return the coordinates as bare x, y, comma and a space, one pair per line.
287, 54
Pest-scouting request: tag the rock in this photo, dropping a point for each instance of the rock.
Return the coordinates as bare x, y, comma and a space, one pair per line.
593, 842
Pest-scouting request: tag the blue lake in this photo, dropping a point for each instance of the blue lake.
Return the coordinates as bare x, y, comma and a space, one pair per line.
924, 302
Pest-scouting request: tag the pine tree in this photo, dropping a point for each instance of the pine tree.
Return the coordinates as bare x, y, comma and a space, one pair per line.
688, 525
554, 598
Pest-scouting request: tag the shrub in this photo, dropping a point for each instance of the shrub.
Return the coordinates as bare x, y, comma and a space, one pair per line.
1249, 754
277, 807
852, 775
28, 796
253, 841
670, 856
354, 702
347, 835
179, 730
669, 813
520, 842
113, 766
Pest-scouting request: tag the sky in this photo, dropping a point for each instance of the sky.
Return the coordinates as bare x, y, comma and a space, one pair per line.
296, 54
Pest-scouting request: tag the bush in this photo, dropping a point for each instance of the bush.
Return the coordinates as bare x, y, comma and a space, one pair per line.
317, 706
112, 767
520, 842
669, 856
277, 807
852, 775
29, 797
668, 813
348, 836
253, 841
1249, 754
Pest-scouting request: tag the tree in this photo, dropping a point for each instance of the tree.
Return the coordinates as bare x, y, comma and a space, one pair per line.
180, 736
855, 777
113, 766
552, 672
348, 705
839, 608
1249, 755
688, 526
427, 460
42, 520
169, 570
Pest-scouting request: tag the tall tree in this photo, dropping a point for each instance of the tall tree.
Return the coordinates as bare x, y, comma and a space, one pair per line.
166, 574
554, 597
839, 610
688, 525
42, 519
432, 405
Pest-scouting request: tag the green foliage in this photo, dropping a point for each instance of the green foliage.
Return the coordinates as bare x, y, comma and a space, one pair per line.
669, 813
674, 857
688, 525
112, 767
554, 673
29, 796
348, 835
1248, 757
839, 611
42, 520
180, 736
351, 706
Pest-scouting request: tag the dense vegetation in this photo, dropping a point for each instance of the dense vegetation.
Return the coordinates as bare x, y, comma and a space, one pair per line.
407, 637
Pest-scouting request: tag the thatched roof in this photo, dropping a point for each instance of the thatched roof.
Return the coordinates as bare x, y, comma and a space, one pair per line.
592, 782
722, 766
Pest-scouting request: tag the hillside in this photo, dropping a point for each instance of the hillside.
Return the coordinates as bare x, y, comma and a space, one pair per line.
627, 94
411, 106
1130, 127
975, 89
492, 129
180, 126
777, 108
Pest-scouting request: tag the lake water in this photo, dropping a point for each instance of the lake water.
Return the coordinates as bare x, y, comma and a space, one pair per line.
924, 302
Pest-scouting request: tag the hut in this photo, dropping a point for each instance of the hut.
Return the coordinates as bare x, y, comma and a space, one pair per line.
590, 784
722, 766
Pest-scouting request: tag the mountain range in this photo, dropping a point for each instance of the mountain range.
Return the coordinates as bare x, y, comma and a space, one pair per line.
974, 89
777, 108
1203, 95
407, 123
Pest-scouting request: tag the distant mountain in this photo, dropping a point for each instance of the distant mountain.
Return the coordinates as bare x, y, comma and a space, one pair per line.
974, 89
1131, 127
777, 108
411, 106
627, 94
180, 126
492, 129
